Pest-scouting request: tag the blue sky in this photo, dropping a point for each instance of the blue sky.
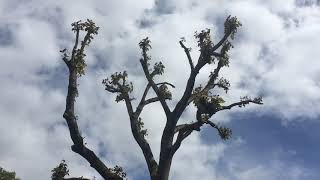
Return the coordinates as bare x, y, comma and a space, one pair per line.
275, 55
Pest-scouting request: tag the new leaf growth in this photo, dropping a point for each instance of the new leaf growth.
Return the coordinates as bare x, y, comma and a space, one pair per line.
203, 97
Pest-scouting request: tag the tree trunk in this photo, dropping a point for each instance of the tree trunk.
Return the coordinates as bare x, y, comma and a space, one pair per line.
165, 171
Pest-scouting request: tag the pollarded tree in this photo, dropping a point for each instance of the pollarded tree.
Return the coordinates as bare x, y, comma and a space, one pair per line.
202, 97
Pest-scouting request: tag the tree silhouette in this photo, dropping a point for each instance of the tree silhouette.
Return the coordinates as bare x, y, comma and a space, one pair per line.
202, 97
6, 175
59, 172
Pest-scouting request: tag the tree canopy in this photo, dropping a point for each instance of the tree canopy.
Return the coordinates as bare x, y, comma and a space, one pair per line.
7, 175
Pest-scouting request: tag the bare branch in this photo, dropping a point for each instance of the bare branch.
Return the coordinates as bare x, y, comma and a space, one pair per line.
184, 127
139, 137
166, 84
151, 100
187, 51
240, 104
152, 83
142, 101
76, 137
145, 93
67, 62
75, 44
181, 136
184, 131
225, 37
181, 105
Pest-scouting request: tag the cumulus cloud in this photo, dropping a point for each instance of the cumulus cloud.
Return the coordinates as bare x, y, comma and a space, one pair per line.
274, 56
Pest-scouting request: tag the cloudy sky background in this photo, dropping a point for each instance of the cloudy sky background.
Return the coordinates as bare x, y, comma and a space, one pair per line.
276, 55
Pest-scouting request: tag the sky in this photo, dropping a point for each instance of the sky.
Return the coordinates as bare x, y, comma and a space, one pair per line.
275, 56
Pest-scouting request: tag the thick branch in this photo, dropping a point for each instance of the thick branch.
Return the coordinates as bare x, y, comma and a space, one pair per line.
181, 136
78, 145
152, 100
76, 137
184, 131
184, 127
168, 133
139, 137
187, 51
181, 105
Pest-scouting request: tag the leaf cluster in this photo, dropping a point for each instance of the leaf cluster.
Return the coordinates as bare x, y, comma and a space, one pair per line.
208, 98
158, 69
224, 132
59, 172
145, 45
245, 100
118, 170
78, 55
224, 84
143, 132
118, 83
231, 26
88, 26
164, 92
224, 59
6, 175
205, 44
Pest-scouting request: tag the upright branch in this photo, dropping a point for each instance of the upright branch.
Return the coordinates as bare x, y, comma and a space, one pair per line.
162, 91
118, 84
187, 51
76, 65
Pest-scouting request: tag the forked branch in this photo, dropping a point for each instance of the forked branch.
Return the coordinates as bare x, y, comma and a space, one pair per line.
145, 46
187, 51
